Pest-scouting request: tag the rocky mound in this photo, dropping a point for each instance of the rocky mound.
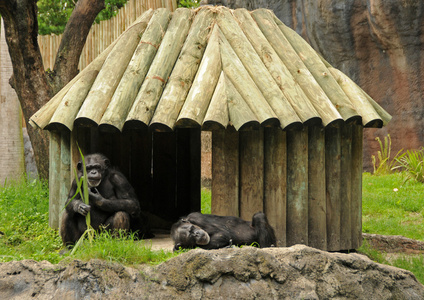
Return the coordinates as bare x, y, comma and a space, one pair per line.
298, 272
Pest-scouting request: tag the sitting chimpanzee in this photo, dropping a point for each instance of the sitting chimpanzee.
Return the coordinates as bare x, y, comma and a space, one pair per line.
213, 232
113, 202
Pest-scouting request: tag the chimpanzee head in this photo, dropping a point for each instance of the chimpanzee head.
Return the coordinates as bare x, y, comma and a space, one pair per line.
187, 235
97, 166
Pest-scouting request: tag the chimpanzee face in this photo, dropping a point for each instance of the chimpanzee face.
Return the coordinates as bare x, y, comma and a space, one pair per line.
191, 235
96, 166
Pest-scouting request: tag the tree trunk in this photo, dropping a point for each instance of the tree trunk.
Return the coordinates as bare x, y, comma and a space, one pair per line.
11, 146
32, 84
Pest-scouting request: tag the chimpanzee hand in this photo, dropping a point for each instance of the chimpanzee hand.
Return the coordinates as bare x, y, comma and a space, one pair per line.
83, 208
95, 197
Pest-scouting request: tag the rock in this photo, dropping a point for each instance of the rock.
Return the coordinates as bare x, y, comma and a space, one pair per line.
298, 272
394, 243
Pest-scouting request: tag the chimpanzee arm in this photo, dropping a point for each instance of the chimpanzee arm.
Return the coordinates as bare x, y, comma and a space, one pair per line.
218, 240
125, 198
76, 205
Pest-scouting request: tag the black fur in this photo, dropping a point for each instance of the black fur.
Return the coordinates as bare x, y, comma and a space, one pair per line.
113, 202
220, 231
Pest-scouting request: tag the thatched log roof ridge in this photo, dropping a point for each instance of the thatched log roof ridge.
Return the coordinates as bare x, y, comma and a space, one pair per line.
210, 67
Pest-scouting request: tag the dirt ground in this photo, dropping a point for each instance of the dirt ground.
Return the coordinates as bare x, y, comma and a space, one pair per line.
161, 241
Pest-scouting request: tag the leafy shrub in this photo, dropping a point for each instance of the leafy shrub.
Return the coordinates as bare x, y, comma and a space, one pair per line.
412, 163
383, 164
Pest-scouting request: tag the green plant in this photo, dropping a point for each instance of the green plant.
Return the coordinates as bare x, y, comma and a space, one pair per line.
188, 3
412, 162
383, 164
82, 190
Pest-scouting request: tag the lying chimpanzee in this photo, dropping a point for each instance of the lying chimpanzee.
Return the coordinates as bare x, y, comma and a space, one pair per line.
213, 232
113, 202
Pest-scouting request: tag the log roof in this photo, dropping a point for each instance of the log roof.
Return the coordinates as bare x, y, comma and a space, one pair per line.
210, 67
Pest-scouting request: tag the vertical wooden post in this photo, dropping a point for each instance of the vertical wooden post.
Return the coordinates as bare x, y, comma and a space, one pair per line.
195, 169
346, 188
317, 225
356, 205
297, 186
332, 180
65, 170
251, 172
54, 179
275, 181
225, 172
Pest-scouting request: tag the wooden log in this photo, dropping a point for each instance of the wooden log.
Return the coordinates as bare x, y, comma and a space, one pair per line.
68, 108
154, 83
111, 73
297, 68
66, 176
255, 67
134, 75
320, 72
384, 115
317, 207
195, 169
356, 204
332, 181
346, 188
240, 114
54, 179
251, 173
279, 72
297, 186
358, 99
181, 79
200, 94
237, 73
225, 172
217, 117
275, 181
42, 117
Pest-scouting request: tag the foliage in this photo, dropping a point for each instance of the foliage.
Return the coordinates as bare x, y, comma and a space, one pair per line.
412, 162
53, 14
188, 3
384, 164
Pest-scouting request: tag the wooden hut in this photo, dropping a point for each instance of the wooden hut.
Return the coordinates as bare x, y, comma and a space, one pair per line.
286, 126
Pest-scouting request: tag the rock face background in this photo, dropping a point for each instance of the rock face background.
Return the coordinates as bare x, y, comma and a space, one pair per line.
377, 43
298, 272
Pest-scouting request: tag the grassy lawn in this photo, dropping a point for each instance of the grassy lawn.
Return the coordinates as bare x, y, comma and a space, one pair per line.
389, 208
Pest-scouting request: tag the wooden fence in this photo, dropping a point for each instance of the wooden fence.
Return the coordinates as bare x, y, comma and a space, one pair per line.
103, 34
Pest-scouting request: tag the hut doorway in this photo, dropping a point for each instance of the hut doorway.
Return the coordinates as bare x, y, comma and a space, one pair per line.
163, 167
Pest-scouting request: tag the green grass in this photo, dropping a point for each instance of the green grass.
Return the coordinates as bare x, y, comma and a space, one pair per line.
26, 234
389, 208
